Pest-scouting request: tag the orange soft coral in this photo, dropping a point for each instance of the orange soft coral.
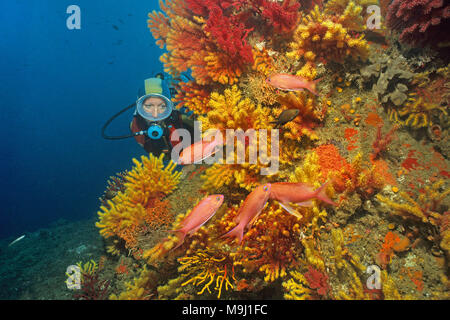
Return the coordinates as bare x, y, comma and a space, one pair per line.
392, 243
364, 179
330, 160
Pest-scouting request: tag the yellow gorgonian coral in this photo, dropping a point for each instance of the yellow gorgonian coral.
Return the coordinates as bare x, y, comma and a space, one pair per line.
121, 216
207, 267
308, 71
349, 13
218, 175
130, 208
416, 112
290, 151
425, 208
231, 110
232, 175
149, 178
297, 287
324, 38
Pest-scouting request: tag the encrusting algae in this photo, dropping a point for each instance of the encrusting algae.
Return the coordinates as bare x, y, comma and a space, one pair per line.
382, 216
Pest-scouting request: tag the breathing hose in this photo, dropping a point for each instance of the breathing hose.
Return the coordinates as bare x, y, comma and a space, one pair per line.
105, 136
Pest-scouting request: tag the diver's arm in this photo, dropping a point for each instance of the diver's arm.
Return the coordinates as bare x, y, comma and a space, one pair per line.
134, 127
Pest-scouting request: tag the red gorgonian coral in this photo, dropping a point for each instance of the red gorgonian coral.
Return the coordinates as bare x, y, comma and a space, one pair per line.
420, 22
230, 35
283, 17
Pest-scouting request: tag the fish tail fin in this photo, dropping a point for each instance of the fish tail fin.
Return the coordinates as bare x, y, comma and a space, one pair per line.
237, 232
321, 194
180, 239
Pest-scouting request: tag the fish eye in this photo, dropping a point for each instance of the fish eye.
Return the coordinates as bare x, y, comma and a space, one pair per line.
218, 198
266, 188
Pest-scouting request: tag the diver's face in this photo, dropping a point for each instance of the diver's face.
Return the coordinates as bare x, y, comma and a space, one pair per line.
154, 106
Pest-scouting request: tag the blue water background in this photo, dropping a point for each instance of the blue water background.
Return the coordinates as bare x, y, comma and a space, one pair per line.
57, 88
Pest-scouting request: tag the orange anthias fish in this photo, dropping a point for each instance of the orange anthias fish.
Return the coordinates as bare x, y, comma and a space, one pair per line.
299, 193
198, 151
201, 213
291, 82
250, 210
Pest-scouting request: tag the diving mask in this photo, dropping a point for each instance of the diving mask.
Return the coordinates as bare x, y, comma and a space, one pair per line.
148, 116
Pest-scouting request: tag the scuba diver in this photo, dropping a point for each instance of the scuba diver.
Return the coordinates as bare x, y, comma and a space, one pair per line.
155, 117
